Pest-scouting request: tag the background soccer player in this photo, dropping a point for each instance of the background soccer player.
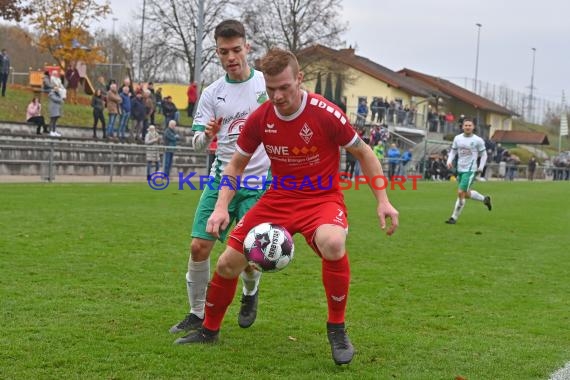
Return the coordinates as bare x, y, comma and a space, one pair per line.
222, 110
467, 147
302, 134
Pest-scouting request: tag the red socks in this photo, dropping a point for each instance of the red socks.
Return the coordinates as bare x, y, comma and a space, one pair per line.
220, 295
336, 279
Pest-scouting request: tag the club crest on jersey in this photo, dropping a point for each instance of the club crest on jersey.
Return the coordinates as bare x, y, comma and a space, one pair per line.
235, 127
261, 96
306, 133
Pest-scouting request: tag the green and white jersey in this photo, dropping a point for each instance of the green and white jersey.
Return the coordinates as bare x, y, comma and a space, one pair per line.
467, 149
233, 102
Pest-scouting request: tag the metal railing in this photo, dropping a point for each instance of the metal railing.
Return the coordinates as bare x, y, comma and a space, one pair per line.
48, 159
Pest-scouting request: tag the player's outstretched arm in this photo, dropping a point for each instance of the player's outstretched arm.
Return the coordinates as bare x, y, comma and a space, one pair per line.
371, 168
220, 218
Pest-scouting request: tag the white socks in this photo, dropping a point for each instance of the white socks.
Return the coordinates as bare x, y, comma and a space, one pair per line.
250, 282
476, 196
197, 279
458, 208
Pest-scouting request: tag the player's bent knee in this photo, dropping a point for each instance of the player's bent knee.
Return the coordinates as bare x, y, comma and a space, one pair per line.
200, 249
231, 263
331, 243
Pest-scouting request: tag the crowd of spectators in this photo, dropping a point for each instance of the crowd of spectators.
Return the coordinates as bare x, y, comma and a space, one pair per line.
123, 111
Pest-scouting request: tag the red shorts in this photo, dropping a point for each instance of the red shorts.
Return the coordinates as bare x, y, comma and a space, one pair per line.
296, 215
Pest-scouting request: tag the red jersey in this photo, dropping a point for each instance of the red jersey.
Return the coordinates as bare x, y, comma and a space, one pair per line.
303, 148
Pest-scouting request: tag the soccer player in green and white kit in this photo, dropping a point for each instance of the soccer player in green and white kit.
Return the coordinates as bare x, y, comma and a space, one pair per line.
222, 111
467, 147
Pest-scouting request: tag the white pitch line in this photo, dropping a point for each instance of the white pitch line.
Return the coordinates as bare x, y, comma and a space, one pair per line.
562, 374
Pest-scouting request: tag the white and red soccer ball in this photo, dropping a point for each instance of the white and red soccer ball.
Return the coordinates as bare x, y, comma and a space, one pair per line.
269, 247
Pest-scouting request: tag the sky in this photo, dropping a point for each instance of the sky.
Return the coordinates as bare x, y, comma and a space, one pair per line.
439, 37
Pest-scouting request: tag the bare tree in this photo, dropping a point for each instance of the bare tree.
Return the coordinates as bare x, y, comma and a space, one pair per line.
173, 25
157, 60
294, 24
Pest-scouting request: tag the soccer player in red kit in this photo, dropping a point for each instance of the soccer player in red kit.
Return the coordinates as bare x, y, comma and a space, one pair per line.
301, 133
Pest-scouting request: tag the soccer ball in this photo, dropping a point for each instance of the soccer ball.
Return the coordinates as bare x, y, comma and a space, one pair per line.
269, 247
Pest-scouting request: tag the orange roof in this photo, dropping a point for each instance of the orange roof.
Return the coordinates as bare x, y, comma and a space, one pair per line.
458, 92
520, 137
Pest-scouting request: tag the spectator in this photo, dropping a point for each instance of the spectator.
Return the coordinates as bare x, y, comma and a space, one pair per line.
34, 115
393, 160
4, 70
406, 158
98, 105
46, 83
499, 151
125, 112
361, 113
150, 88
382, 106
437, 169
148, 101
360, 132
138, 113
379, 152
170, 139
384, 135
128, 83
374, 108
152, 140
170, 111
55, 106
72, 77
100, 85
449, 122
56, 82
512, 161
375, 136
158, 100
192, 94
531, 168
113, 102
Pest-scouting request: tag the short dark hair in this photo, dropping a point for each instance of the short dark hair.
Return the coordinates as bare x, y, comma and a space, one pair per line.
276, 60
467, 118
229, 29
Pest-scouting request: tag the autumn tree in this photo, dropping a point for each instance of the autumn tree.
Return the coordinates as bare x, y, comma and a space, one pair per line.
14, 10
63, 26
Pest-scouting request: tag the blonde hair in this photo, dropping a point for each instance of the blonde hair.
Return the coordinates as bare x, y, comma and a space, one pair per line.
276, 60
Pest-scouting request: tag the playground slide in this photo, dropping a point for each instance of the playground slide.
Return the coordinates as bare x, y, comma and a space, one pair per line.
87, 86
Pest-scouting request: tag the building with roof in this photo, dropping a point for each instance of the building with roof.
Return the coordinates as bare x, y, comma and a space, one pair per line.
364, 79
490, 116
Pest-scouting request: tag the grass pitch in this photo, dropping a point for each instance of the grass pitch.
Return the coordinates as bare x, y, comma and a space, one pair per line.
92, 277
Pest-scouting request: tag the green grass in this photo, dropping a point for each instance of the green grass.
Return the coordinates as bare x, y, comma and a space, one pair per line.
92, 277
13, 108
